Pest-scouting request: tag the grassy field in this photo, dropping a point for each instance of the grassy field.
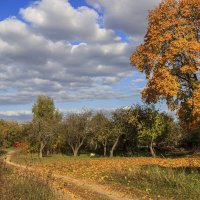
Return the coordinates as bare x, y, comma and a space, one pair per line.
156, 177
160, 181
18, 185
34, 159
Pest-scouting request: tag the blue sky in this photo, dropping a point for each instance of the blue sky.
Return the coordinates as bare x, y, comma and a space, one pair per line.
75, 51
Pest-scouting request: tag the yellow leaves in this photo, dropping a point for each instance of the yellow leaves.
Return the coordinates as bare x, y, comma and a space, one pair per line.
170, 54
188, 69
148, 190
194, 102
161, 85
103, 171
130, 170
98, 169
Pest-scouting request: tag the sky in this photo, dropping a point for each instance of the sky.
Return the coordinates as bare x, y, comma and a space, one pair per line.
75, 51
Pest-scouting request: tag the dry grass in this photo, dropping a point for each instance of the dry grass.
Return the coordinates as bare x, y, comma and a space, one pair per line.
158, 178
167, 178
23, 185
171, 183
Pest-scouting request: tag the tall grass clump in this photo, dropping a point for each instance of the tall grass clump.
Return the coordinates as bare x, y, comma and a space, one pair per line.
176, 183
17, 185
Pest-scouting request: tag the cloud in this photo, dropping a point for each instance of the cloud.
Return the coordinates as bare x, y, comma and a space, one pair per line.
37, 64
128, 16
26, 115
138, 80
68, 53
19, 115
58, 20
15, 113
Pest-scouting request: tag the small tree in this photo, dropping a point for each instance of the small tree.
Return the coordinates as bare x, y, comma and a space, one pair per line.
100, 128
10, 132
149, 126
45, 121
172, 133
119, 127
76, 130
3, 132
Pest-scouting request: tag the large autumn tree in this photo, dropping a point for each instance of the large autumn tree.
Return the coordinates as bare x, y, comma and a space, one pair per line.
170, 57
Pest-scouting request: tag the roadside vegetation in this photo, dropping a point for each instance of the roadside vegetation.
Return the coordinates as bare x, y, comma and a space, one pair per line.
23, 185
170, 183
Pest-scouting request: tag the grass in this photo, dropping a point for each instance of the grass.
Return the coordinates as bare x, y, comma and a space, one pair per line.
177, 178
10, 149
17, 185
176, 183
28, 159
2, 152
34, 159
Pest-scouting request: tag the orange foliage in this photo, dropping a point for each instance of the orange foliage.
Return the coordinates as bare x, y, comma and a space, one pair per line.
170, 56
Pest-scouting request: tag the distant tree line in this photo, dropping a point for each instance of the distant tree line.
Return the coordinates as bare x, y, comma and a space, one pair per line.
125, 132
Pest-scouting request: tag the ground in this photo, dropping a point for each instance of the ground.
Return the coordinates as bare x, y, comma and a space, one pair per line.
118, 178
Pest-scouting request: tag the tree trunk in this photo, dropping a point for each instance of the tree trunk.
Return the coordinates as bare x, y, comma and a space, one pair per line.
104, 148
96, 146
75, 149
152, 149
42, 145
113, 147
76, 152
